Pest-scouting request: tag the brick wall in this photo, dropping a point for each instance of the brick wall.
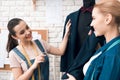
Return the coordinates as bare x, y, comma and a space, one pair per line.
37, 19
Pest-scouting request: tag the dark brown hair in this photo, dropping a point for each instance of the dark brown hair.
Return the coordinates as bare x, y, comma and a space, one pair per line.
12, 43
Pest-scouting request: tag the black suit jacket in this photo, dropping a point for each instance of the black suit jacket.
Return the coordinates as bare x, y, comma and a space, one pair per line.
80, 26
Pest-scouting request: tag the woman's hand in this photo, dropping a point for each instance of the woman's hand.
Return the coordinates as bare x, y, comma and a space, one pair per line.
68, 27
70, 77
40, 58
62, 47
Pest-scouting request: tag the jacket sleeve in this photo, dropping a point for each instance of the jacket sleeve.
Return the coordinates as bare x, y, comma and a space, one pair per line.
111, 67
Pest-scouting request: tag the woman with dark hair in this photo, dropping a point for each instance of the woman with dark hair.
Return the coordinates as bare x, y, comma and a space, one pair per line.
28, 58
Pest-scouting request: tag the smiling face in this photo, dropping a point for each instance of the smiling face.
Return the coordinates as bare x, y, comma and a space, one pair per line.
23, 32
98, 22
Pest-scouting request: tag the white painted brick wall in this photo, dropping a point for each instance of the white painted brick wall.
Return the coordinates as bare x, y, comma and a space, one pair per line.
5, 75
37, 19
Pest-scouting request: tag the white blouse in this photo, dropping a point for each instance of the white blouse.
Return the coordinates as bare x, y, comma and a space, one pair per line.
86, 66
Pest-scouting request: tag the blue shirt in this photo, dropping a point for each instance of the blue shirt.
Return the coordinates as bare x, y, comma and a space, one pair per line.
107, 65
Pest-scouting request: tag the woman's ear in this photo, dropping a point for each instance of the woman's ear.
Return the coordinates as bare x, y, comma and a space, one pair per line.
14, 37
108, 19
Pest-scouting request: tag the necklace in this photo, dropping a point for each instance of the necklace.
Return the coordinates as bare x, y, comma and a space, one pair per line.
28, 59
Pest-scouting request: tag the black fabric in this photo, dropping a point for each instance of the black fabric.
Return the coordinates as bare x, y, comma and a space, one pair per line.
83, 26
88, 3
